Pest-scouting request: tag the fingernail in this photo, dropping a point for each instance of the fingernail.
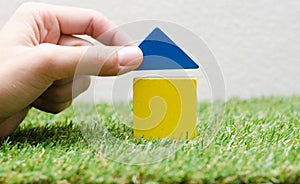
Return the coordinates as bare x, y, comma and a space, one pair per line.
130, 55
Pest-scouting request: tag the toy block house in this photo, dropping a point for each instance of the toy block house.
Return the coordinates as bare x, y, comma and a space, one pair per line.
164, 107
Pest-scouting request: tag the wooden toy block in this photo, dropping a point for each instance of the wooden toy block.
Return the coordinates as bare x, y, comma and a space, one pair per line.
164, 107
161, 53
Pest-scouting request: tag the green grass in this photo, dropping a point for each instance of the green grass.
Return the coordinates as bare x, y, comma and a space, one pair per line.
258, 142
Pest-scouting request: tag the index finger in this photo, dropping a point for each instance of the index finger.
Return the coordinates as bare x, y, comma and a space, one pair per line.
73, 20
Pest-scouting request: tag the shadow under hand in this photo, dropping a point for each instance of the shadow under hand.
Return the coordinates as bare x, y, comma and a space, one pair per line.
50, 135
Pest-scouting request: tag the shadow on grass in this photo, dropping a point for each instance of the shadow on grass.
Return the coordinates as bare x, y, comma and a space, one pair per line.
53, 135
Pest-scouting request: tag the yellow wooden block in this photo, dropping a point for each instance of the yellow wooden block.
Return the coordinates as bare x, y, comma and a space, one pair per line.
164, 107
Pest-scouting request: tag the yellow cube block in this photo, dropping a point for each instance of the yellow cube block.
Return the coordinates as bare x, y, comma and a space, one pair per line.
164, 107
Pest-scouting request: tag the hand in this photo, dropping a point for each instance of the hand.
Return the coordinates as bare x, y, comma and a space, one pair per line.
39, 56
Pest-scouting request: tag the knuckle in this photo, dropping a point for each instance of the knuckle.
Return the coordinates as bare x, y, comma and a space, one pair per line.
60, 107
110, 66
46, 53
29, 7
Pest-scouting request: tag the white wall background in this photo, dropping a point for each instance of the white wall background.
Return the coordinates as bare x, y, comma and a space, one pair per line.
257, 43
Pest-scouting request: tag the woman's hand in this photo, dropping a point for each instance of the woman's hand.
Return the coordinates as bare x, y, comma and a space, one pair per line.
39, 56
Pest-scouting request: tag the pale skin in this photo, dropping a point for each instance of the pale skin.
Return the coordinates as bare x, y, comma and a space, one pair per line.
39, 57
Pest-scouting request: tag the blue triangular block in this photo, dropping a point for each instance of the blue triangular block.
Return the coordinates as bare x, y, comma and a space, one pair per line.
160, 52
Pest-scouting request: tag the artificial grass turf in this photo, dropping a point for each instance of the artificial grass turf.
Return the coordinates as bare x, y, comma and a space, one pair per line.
259, 141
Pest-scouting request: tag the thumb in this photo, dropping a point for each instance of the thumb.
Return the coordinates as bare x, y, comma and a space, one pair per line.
65, 61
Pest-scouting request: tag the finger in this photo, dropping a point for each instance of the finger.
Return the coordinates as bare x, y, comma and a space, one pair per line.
72, 20
68, 40
65, 93
62, 62
10, 125
50, 107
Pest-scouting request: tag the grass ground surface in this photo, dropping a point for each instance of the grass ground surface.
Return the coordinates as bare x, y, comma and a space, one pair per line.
259, 141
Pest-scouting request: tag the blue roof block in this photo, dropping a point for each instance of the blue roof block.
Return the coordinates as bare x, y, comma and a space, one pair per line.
160, 53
